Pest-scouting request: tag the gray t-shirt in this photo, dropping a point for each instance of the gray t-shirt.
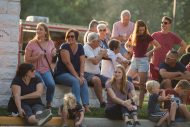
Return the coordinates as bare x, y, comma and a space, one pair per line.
129, 88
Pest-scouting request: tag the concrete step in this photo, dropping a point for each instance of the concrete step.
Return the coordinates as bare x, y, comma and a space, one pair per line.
89, 122
60, 90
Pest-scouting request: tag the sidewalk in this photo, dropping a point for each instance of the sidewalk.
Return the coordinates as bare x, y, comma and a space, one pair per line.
89, 122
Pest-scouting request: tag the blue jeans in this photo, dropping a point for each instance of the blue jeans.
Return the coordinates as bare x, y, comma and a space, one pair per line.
77, 89
49, 82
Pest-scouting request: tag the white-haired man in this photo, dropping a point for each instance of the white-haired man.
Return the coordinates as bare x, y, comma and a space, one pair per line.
94, 55
123, 29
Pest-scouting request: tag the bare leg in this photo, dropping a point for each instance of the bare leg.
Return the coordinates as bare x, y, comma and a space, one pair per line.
98, 88
135, 118
185, 111
162, 120
143, 79
173, 111
126, 118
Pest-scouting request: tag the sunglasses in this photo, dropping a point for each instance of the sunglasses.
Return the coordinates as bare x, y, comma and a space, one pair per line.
165, 23
102, 30
32, 70
70, 36
170, 58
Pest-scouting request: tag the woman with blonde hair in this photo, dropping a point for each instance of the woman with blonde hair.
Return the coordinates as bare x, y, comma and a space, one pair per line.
121, 97
71, 109
39, 52
140, 41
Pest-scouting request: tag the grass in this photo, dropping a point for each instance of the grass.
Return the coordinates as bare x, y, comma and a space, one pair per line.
95, 112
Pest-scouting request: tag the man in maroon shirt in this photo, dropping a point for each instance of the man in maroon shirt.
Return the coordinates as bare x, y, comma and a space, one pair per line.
167, 40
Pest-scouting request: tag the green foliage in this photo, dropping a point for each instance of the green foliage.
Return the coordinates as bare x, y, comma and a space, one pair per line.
81, 12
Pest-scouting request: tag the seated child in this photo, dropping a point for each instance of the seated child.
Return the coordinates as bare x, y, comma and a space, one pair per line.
72, 110
156, 114
177, 105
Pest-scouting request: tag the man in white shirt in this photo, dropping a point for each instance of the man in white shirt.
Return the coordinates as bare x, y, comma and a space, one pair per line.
94, 55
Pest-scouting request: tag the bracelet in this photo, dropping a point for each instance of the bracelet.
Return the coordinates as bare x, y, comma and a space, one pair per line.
81, 74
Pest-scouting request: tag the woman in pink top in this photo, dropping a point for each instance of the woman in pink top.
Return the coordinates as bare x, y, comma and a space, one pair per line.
36, 50
140, 40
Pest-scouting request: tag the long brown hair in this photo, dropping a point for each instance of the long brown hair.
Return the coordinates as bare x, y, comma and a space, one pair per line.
47, 36
134, 36
123, 80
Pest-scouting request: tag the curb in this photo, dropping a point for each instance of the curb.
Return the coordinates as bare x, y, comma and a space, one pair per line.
89, 122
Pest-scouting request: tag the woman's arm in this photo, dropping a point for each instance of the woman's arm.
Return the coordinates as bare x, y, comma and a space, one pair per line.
65, 57
134, 96
16, 90
156, 46
28, 58
115, 98
38, 93
82, 61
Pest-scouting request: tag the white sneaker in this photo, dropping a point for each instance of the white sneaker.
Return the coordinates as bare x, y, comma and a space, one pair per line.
44, 117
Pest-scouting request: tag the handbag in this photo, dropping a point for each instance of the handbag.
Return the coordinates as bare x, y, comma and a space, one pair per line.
12, 106
46, 59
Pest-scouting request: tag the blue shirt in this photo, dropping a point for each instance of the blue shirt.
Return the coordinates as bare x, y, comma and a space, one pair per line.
75, 60
153, 105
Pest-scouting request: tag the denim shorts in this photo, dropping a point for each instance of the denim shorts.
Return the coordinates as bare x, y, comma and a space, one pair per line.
139, 64
155, 117
89, 76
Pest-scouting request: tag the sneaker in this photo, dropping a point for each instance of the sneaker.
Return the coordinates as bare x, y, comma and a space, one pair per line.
136, 123
44, 117
128, 123
103, 105
172, 124
158, 126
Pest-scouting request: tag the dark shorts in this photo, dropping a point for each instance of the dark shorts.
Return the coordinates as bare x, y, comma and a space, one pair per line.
31, 109
89, 76
155, 117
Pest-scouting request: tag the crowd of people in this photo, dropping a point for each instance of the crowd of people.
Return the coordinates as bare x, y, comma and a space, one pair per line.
121, 61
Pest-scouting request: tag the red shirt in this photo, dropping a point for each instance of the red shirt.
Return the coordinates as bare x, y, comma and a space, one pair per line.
141, 46
167, 41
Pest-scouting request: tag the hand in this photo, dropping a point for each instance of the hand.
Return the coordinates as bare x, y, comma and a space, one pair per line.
149, 54
168, 97
103, 52
124, 38
82, 79
53, 51
179, 74
127, 103
41, 54
21, 113
130, 107
77, 124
